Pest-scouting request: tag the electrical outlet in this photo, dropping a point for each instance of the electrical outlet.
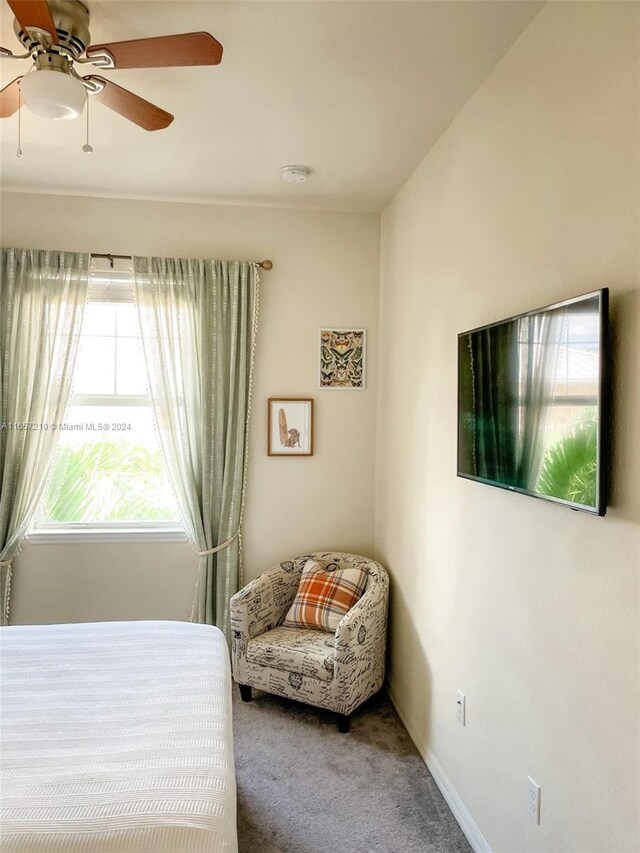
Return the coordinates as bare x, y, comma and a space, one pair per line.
461, 709
534, 799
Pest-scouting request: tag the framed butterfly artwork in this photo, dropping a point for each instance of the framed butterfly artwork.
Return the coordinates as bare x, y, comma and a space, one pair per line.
342, 362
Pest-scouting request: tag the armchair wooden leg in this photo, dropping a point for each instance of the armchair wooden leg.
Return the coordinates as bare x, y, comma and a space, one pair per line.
344, 721
245, 692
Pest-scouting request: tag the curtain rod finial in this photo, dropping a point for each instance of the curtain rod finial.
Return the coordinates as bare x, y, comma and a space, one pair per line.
266, 265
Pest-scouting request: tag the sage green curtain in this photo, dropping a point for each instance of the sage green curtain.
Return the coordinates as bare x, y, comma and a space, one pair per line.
42, 300
198, 321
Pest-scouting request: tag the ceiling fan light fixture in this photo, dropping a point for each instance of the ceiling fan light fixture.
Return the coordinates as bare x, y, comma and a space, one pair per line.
53, 94
56, 35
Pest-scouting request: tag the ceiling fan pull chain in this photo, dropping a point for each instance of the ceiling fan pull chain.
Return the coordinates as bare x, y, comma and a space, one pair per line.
86, 147
19, 150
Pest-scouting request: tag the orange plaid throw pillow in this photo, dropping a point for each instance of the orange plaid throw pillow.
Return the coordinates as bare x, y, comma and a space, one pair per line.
323, 596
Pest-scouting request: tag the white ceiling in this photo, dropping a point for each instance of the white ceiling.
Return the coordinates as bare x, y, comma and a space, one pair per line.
358, 91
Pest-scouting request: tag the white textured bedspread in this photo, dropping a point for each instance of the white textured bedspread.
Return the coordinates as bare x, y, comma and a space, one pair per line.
116, 737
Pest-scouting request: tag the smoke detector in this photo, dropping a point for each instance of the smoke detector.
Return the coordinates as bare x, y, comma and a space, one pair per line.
295, 174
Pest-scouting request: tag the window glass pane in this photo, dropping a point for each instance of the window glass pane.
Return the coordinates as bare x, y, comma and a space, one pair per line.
569, 457
109, 468
95, 366
131, 376
127, 319
99, 319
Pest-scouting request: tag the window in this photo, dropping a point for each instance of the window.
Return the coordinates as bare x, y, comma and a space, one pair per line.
561, 411
579, 360
574, 393
108, 476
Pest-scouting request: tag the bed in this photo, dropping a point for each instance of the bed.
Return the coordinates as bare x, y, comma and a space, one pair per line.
116, 738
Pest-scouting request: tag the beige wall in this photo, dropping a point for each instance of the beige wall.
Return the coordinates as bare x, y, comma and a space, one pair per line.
325, 271
532, 610
531, 196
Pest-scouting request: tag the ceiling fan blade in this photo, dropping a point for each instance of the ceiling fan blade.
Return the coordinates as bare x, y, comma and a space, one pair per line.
34, 13
163, 51
136, 109
10, 98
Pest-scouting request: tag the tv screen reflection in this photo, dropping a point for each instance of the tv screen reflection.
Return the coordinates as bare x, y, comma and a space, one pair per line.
530, 393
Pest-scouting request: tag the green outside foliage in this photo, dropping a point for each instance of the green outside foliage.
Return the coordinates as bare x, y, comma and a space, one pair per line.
108, 481
569, 467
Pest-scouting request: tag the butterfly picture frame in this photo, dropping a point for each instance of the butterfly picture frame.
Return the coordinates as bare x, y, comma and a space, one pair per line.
342, 359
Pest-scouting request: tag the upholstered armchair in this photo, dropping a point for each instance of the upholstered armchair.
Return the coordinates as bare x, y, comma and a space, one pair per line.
333, 671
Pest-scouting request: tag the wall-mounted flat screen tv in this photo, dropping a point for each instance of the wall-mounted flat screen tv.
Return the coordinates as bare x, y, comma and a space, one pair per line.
532, 403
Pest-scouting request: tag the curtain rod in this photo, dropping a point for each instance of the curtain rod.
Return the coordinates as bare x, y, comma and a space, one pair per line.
264, 265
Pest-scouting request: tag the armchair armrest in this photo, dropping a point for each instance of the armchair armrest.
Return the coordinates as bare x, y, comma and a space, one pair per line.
257, 608
261, 605
348, 633
360, 642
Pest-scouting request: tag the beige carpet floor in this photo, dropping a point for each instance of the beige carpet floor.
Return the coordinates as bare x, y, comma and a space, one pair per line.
305, 788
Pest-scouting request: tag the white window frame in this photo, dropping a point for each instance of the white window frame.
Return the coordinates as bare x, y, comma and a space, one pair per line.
57, 532
107, 286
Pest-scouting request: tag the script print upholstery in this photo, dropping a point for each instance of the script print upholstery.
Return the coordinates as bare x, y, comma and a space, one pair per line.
359, 643
310, 652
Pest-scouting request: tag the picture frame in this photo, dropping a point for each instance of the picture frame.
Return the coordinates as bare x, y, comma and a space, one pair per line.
342, 359
290, 426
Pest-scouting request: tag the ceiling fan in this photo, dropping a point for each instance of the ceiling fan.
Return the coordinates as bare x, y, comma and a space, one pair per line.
56, 38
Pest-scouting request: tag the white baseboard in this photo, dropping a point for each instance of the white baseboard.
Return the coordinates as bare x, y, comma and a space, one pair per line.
461, 813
